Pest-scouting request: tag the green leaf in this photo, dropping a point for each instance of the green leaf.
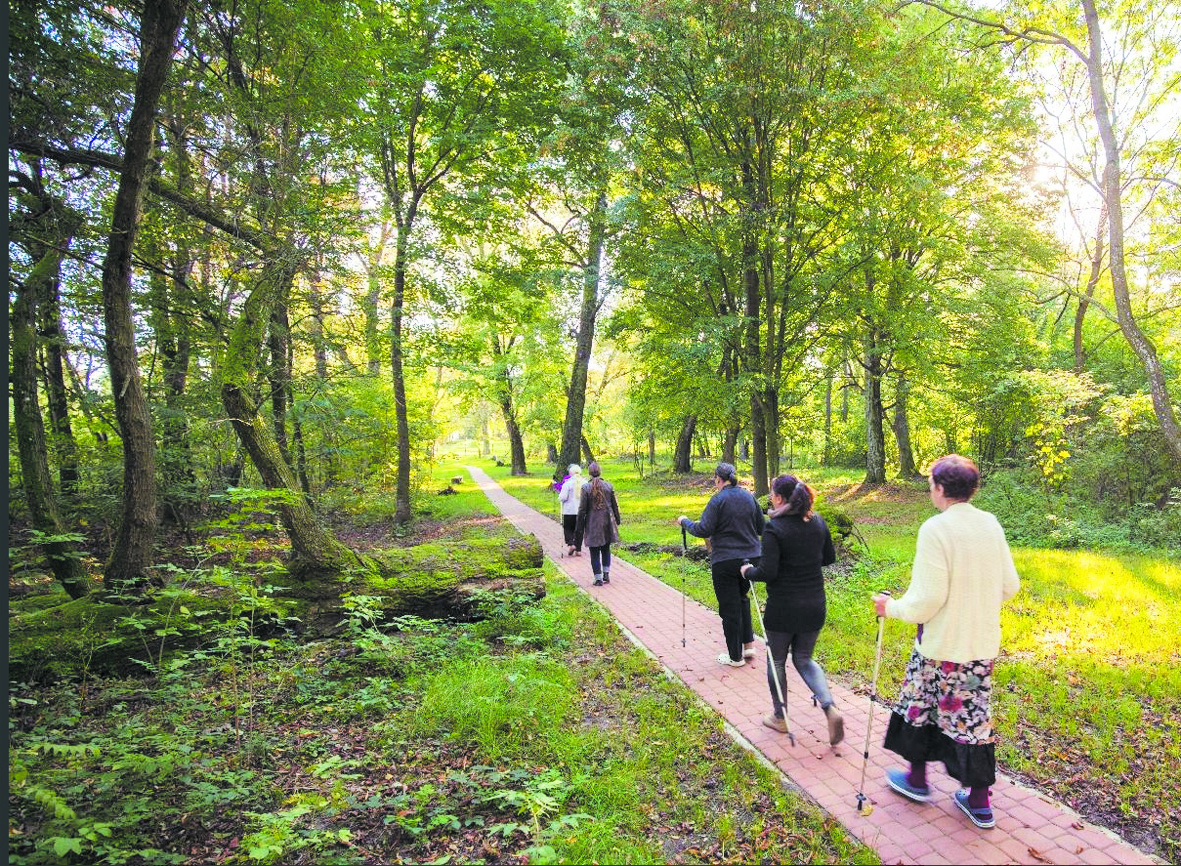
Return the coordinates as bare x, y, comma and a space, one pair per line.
63, 845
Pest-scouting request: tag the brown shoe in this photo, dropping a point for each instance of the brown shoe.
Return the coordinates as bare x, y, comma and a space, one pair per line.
776, 723
836, 725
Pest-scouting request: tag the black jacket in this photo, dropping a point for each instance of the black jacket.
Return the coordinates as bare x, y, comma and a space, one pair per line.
793, 552
732, 521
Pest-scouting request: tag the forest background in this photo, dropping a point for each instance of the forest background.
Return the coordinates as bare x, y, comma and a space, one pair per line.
308, 248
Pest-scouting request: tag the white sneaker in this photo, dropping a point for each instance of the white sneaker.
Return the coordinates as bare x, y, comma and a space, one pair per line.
724, 659
748, 653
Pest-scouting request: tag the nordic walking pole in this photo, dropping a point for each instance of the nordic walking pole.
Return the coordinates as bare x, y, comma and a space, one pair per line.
862, 801
684, 556
771, 661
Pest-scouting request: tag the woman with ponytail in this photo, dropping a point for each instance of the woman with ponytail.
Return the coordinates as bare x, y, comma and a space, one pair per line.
796, 545
598, 517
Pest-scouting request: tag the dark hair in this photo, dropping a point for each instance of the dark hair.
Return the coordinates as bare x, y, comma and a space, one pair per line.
958, 475
598, 497
727, 473
797, 496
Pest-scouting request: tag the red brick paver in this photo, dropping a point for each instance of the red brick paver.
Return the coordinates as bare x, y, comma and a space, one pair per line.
1030, 828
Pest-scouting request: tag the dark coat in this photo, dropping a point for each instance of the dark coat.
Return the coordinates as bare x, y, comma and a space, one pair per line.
732, 521
794, 550
597, 526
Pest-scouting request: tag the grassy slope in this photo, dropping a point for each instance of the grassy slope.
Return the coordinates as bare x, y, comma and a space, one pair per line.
1088, 689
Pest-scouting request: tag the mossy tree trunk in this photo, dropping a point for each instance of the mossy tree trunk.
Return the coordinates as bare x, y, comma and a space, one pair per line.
36, 479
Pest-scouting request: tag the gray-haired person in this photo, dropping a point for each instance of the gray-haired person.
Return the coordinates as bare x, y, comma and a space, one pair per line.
733, 523
569, 496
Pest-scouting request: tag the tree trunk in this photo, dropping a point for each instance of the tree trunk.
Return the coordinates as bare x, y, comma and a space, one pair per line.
317, 556
36, 480
372, 299
771, 425
131, 554
651, 448
316, 553
901, 423
279, 375
758, 435
587, 454
826, 460
1080, 354
504, 397
576, 395
730, 444
401, 262
875, 436
46, 229
320, 351
682, 452
1112, 192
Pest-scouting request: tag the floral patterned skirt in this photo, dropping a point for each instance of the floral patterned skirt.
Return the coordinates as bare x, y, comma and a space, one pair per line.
944, 713
954, 697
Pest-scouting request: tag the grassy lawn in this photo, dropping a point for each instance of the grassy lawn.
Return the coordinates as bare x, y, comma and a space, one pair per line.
1088, 685
538, 735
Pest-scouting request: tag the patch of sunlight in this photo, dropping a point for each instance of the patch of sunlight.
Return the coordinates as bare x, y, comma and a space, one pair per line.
1126, 609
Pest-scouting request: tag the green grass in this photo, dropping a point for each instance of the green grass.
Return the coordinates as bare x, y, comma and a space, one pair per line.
539, 734
1088, 685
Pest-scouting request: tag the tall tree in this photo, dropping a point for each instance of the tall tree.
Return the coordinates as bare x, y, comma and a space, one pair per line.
1148, 48
132, 554
44, 226
458, 87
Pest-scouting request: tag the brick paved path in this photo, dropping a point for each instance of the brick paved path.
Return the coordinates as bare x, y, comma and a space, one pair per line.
1030, 827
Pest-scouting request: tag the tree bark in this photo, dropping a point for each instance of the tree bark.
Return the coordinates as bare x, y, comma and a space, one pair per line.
683, 451
730, 444
771, 425
46, 229
36, 480
1112, 195
1097, 256
826, 460
279, 374
131, 554
504, 397
402, 512
587, 454
576, 395
875, 437
901, 424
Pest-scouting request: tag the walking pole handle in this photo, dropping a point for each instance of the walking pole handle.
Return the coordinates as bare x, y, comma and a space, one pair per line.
684, 540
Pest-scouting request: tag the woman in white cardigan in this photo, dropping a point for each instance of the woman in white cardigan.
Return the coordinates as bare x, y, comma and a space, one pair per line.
963, 572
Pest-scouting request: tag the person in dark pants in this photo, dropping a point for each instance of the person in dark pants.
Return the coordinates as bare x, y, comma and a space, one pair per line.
569, 496
733, 522
796, 545
963, 572
598, 521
